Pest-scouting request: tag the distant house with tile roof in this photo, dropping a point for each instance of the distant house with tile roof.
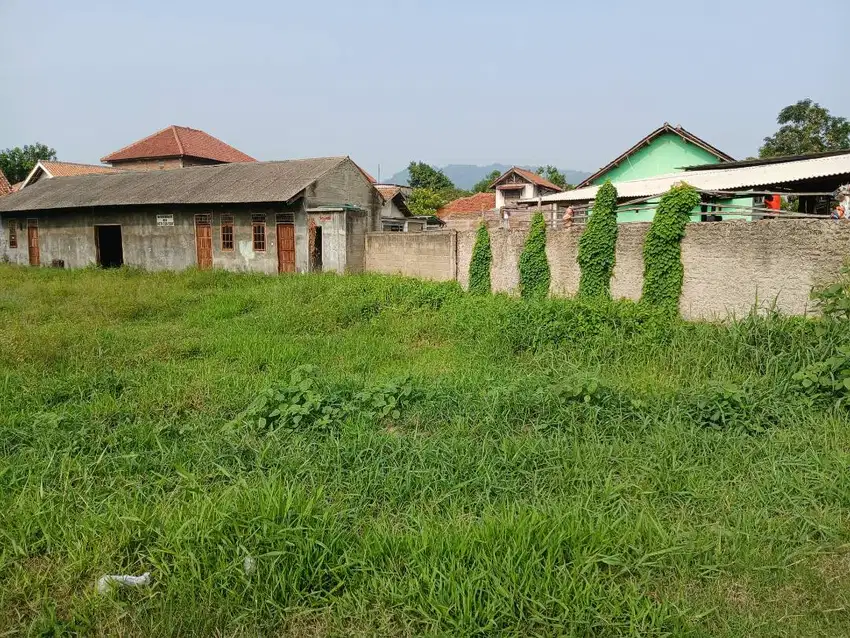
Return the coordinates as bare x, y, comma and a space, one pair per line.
518, 183
175, 147
467, 212
5, 186
47, 169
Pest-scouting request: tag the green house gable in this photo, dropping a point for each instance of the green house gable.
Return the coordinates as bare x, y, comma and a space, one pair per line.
667, 153
666, 150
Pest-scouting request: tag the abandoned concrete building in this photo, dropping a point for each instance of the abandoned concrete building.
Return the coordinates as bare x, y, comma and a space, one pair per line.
290, 216
175, 147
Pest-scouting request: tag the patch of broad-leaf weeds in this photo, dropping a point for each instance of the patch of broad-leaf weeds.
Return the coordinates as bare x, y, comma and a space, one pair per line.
304, 404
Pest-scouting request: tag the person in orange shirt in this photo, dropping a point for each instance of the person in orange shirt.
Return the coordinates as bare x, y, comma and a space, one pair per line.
773, 202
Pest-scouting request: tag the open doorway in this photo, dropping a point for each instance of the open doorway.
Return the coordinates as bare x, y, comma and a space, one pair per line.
315, 249
110, 251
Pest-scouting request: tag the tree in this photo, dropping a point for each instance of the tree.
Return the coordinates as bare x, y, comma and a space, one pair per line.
597, 245
534, 274
806, 127
424, 176
479, 265
554, 175
484, 185
17, 162
424, 201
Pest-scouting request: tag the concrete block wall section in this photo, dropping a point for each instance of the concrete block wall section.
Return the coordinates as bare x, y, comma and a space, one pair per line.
730, 267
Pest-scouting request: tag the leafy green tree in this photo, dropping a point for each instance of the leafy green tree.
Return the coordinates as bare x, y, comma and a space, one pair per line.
479, 265
484, 185
424, 201
423, 176
806, 127
663, 272
597, 245
17, 162
554, 175
534, 274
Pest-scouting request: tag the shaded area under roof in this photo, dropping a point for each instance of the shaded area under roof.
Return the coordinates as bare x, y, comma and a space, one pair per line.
253, 182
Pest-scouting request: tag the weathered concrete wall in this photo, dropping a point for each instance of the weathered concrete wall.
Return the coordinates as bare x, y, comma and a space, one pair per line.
70, 236
730, 267
430, 255
346, 184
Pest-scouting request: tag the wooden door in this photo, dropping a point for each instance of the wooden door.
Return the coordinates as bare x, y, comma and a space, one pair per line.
32, 244
203, 243
286, 248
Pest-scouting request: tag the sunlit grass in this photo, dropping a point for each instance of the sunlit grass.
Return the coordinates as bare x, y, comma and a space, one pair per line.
494, 505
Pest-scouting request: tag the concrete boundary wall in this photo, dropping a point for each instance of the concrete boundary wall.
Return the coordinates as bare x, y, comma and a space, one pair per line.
730, 267
429, 255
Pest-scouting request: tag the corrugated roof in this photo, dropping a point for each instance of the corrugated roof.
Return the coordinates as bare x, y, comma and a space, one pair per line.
179, 141
220, 184
721, 179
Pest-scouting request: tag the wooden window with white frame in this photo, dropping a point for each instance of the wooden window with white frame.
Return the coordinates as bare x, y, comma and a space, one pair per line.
227, 232
258, 232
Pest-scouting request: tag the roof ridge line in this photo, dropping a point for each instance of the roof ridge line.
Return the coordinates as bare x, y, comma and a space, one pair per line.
177, 139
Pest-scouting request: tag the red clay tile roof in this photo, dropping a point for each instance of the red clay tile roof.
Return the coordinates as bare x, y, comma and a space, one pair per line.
68, 169
5, 186
473, 204
179, 141
534, 178
388, 192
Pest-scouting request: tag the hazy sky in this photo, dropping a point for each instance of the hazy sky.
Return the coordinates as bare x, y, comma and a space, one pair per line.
568, 83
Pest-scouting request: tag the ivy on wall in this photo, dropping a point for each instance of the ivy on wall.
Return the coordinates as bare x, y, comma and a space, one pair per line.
663, 271
479, 266
534, 275
597, 245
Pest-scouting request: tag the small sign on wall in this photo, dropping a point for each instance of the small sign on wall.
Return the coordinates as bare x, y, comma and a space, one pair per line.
165, 220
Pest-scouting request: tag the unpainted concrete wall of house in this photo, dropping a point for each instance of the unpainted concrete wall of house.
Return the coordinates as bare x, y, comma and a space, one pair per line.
346, 184
70, 237
429, 255
730, 267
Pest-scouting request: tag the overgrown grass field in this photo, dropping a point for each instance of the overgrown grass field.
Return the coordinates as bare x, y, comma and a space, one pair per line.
400, 458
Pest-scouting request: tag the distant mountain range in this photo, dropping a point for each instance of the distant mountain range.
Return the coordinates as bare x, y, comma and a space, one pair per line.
465, 176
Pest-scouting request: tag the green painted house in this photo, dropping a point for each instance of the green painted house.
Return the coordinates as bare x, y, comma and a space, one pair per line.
666, 150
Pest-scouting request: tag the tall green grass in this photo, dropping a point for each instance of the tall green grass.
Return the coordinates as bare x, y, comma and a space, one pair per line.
559, 470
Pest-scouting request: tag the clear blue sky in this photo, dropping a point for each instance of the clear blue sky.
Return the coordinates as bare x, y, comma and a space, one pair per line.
443, 81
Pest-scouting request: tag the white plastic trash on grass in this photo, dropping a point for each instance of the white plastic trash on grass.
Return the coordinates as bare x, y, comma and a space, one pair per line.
107, 583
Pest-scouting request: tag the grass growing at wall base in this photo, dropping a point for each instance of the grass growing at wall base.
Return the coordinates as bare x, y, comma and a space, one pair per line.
558, 467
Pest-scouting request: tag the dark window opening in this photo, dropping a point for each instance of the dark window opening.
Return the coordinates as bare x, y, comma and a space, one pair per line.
13, 233
110, 250
316, 249
258, 232
227, 232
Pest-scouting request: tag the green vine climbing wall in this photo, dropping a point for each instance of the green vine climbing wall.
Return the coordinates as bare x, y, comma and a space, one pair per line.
479, 266
598, 244
534, 275
663, 271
